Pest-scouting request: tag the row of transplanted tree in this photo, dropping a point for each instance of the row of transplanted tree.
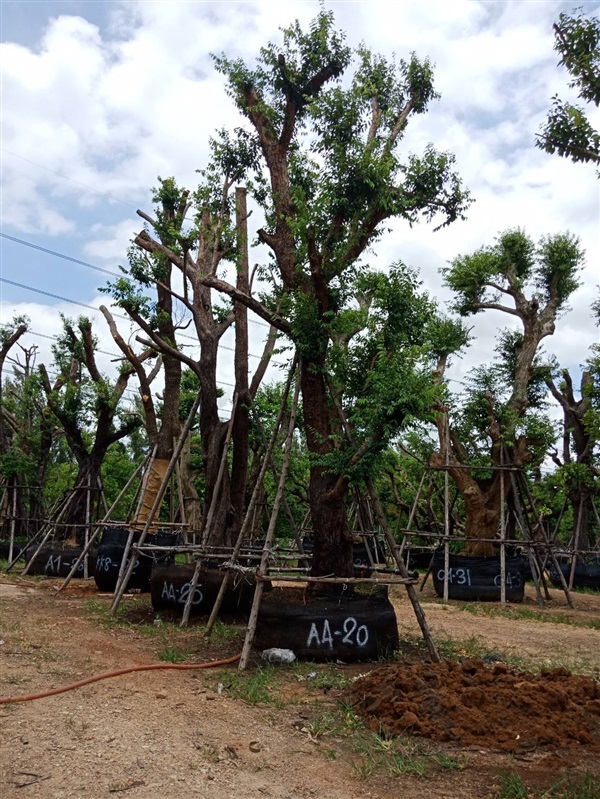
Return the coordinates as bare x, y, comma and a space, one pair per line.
321, 161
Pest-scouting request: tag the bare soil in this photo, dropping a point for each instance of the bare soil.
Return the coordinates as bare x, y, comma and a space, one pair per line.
149, 735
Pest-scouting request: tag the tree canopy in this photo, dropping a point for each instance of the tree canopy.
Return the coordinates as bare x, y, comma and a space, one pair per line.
567, 130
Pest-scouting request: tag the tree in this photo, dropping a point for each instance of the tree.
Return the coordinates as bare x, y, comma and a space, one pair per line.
578, 461
496, 423
567, 130
215, 235
29, 433
87, 406
9, 335
162, 428
332, 174
578, 471
327, 172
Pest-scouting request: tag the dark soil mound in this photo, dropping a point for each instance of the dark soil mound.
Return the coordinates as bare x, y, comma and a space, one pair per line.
471, 704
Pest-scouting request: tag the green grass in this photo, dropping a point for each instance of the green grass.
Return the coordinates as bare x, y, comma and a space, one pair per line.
222, 633
172, 654
581, 786
100, 615
387, 755
400, 756
529, 614
256, 687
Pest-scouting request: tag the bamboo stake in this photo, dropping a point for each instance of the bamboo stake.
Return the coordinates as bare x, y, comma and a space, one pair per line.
211, 512
120, 588
12, 524
286, 506
575, 546
123, 566
264, 561
51, 529
394, 549
447, 515
502, 536
249, 516
522, 524
99, 526
413, 510
410, 589
87, 526
561, 576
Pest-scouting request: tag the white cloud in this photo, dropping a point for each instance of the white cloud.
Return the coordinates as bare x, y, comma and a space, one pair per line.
112, 108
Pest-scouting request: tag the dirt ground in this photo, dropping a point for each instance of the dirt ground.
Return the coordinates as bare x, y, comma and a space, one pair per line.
148, 735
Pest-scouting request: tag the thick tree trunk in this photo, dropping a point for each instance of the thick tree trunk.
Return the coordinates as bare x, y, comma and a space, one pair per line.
482, 500
333, 539
86, 484
213, 432
241, 424
482, 519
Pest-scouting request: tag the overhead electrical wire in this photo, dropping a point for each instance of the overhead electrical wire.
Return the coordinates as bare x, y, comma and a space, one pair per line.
25, 243
58, 254
58, 297
117, 315
66, 177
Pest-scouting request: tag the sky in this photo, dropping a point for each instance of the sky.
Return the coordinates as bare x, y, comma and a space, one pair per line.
99, 98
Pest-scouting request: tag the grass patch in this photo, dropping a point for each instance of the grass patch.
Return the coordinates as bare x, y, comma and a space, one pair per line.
172, 654
402, 756
388, 755
256, 687
528, 614
581, 786
99, 614
222, 633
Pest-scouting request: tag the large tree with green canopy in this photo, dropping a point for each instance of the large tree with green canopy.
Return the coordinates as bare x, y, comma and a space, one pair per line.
498, 422
568, 130
327, 123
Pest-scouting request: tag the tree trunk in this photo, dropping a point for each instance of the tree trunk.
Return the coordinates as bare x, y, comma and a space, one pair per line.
333, 539
241, 424
75, 518
482, 519
192, 510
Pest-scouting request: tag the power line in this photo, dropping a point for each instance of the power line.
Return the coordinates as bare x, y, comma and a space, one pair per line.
117, 315
66, 177
58, 297
59, 255
86, 264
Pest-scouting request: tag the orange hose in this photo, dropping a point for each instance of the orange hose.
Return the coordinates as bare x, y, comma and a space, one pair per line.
28, 697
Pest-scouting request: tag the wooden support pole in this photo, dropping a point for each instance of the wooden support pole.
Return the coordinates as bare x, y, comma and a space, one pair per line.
98, 529
523, 525
413, 510
264, 561
502, 536
120, 588
410, 589
561, 576
394, 549
575, 546
447, 518
51, 528
187, 608
248, 518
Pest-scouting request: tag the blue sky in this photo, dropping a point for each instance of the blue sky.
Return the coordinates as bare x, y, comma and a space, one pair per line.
98, 98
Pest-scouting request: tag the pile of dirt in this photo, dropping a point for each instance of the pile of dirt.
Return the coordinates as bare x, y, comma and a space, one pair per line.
472, 704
